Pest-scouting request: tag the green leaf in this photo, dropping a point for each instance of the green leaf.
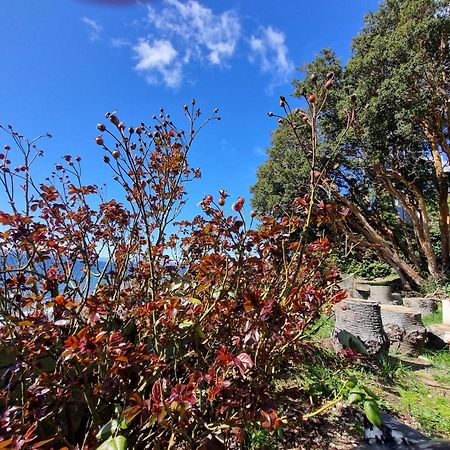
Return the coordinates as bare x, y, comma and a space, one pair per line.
107, 430
199, 331
371, 393
372, 412
117, 443
349, 340
355, 397
358, 390
186, 324
195, 300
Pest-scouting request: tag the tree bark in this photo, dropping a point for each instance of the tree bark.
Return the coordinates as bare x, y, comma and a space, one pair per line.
420, 225
381, 245
381, 294
362, 319
422, 304
443, 197
404, 328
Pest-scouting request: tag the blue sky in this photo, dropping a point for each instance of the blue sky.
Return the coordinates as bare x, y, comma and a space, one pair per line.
67, 62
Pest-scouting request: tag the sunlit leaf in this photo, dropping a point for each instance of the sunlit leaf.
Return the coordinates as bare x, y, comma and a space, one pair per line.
372, 412
117, 443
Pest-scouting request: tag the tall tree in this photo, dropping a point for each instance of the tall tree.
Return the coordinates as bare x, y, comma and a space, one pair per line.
396, 157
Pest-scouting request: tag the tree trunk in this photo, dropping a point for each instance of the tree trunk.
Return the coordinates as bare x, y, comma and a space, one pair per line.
424, 305
361, 319
380, 245
381, 294
420, 223
443, 198
404, 328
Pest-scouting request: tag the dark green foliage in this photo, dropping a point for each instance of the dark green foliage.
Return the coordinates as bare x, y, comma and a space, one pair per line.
389, 168
285, 174
364, 264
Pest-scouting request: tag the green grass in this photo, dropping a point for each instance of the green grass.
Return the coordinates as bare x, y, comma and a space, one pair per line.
436, 317
383, 281
430, 410
322, 327
439, 358
441, 366
423, 394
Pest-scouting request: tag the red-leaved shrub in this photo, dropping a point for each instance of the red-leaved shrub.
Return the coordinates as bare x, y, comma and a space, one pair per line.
118, 323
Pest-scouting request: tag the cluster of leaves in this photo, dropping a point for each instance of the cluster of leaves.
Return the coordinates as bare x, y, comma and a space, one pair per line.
362, 263
174, 338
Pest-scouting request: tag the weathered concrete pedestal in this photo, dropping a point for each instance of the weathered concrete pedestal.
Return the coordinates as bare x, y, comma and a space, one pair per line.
348, 283
397, 298
438, 335
361, 319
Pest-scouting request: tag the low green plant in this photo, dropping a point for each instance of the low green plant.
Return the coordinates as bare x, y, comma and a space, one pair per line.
260, 439
364, 264
322, 327
389, 369
319, 379
354, 392
439, 287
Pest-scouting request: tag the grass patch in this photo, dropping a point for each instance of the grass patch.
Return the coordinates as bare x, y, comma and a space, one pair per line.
422, 393
441, 366
322, 327
430, 410
416, 390
383, 281
436, 317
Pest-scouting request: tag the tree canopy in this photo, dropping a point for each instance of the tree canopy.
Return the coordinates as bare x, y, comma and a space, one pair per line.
395, 157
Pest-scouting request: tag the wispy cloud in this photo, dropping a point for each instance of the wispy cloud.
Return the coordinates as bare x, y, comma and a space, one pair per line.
186, 33
181, 34
120, 42
94, 27
197, 29
269, 51
158, 60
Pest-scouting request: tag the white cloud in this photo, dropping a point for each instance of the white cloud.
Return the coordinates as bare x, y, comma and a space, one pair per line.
120, 42
184, 33
181, 33
158, 59
199, 31
95, 28
270, 52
